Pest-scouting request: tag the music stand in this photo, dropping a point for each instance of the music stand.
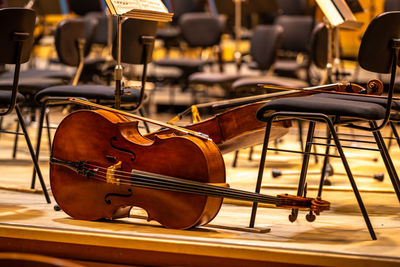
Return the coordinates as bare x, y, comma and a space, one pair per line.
338, 15
137, 48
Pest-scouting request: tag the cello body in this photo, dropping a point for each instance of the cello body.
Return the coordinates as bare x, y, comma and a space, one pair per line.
112, 142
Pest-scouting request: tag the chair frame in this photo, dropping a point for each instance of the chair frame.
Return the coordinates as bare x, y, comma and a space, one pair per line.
20, 38
331, 121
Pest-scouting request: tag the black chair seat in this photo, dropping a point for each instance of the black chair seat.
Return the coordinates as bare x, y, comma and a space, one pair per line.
381, 101
35, 73
5, 98
30, 85
212, 77
287, 68
88, 91
168, 33
182, 63
327, 106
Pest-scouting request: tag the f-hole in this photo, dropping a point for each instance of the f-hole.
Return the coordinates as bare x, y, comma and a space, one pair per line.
114, 139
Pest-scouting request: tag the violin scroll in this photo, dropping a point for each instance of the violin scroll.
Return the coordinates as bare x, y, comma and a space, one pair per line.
316, 205
374, 87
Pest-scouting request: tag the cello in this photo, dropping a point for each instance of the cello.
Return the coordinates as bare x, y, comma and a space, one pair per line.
101, 166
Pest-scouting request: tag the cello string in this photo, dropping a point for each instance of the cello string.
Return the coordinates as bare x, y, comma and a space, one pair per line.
146, 184
204, 189
194, 184
188, 182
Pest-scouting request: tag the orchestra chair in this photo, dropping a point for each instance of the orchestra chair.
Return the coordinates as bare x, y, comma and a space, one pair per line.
35, 80
82, 8
379, 52
198, 30
391, 5
294, 51
292, 7
137, 44
97, 68
170, 34
250, 85
16, 40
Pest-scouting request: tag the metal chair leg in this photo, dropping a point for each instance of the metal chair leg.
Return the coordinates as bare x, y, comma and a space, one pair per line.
38, 141
304, 167
351, 179
48, 129
235, 159
396, 134
325, 164
387, 160
261, 171
32, 152
14, 155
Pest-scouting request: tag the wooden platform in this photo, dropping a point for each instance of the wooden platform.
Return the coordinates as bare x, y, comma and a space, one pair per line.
337, 237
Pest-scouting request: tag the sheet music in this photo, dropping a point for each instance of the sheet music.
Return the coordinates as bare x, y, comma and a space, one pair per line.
153, 5
124, 6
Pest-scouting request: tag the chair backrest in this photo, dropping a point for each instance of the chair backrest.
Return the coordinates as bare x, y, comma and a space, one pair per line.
181, 7
292, 7
67, 35
391, 5
265, 42
375, 52
101, 31
319, 46
132, 47
201, 29
15, 20
296, 32
379, 51
83, 7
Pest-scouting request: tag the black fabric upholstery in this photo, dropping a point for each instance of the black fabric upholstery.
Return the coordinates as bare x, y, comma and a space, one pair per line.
5, 98
380, 101
212, 77
327, 106
183, 63
30, 85
97, 92
40, 73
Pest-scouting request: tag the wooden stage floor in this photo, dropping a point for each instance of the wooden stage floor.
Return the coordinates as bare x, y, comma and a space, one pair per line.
337, 238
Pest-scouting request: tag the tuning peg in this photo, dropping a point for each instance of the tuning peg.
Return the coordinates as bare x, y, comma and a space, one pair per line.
293, 215
310, 217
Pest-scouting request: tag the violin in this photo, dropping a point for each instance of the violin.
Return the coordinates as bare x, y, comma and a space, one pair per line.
101, 166
234, 129
238, 127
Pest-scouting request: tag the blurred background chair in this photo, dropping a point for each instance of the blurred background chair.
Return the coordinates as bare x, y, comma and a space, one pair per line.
136, 48
15, 47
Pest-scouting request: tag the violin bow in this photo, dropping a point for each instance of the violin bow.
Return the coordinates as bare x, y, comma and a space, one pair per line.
130, 115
